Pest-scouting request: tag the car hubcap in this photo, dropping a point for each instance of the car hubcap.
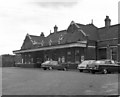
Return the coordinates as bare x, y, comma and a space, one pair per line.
65, 69
50, 68
105, 71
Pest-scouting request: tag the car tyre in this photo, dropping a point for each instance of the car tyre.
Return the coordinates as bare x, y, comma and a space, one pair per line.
50, 68
105, 71
44, 68
80, 70
65, 69
92, 71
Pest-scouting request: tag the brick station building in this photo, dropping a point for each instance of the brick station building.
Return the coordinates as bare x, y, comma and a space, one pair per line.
78, 42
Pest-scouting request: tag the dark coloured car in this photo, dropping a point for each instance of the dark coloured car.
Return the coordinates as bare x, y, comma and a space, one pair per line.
104, 66
53, 65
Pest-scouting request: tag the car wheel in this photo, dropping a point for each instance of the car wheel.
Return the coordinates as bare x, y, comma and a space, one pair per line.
80, 70
88, 71
44, 68
105, 71
93, 72
50, 68
65, 69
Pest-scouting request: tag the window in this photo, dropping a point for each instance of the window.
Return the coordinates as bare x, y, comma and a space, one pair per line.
31, 60
38, 60
69, 53
63, 59
25, 59
22, 60
77, 57
69, 56
58, 41
42, 43
82, 58
76, 52
114, 53
50, 42
18, 59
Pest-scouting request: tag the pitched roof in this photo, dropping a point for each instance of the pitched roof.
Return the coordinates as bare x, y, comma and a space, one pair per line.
108, 33
55, 36
75, 32
36, 39
90, 30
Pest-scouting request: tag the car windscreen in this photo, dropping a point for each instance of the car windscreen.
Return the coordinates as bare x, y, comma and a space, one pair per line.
92, 61
54, 63
46, 62
109, 62
84, 63
100, 62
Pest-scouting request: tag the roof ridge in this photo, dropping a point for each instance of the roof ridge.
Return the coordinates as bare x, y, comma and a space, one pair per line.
109, 26
34, 35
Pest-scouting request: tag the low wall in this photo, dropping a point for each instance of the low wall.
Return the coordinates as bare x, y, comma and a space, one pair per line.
28, 65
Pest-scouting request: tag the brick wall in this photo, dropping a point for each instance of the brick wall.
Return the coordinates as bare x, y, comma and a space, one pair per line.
8, 60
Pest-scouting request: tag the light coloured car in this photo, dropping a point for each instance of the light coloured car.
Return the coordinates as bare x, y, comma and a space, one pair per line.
84, 65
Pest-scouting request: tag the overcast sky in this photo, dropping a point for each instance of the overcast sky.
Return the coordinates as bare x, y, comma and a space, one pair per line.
19, 17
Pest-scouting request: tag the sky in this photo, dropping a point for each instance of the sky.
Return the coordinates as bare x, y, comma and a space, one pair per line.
19, 17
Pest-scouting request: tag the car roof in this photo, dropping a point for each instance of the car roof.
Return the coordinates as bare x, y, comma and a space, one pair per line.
89, 60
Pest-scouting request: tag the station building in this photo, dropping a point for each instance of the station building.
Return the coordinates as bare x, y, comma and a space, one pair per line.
76, 43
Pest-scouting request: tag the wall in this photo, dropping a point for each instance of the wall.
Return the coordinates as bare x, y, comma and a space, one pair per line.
91, 53
8, 60
72, 56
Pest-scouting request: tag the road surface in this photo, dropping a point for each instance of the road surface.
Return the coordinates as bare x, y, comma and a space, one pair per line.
24, 81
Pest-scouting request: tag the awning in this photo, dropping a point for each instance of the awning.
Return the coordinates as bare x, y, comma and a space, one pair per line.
78, 44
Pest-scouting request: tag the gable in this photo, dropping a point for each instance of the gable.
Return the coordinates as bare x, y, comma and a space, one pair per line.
72, 28
27, 44
90, 30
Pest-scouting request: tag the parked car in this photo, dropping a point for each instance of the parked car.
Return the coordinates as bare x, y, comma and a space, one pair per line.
84, 65
104, 66
53, 65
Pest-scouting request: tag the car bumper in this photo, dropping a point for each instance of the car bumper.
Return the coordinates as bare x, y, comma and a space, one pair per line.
83, 68
94, 69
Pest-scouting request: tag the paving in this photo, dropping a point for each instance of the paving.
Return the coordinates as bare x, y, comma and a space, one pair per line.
26, 81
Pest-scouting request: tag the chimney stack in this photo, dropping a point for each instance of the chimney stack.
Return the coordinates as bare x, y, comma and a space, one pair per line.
55, 29
107, 21
42, 34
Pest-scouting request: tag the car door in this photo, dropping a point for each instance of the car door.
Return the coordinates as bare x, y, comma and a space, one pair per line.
111, 66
